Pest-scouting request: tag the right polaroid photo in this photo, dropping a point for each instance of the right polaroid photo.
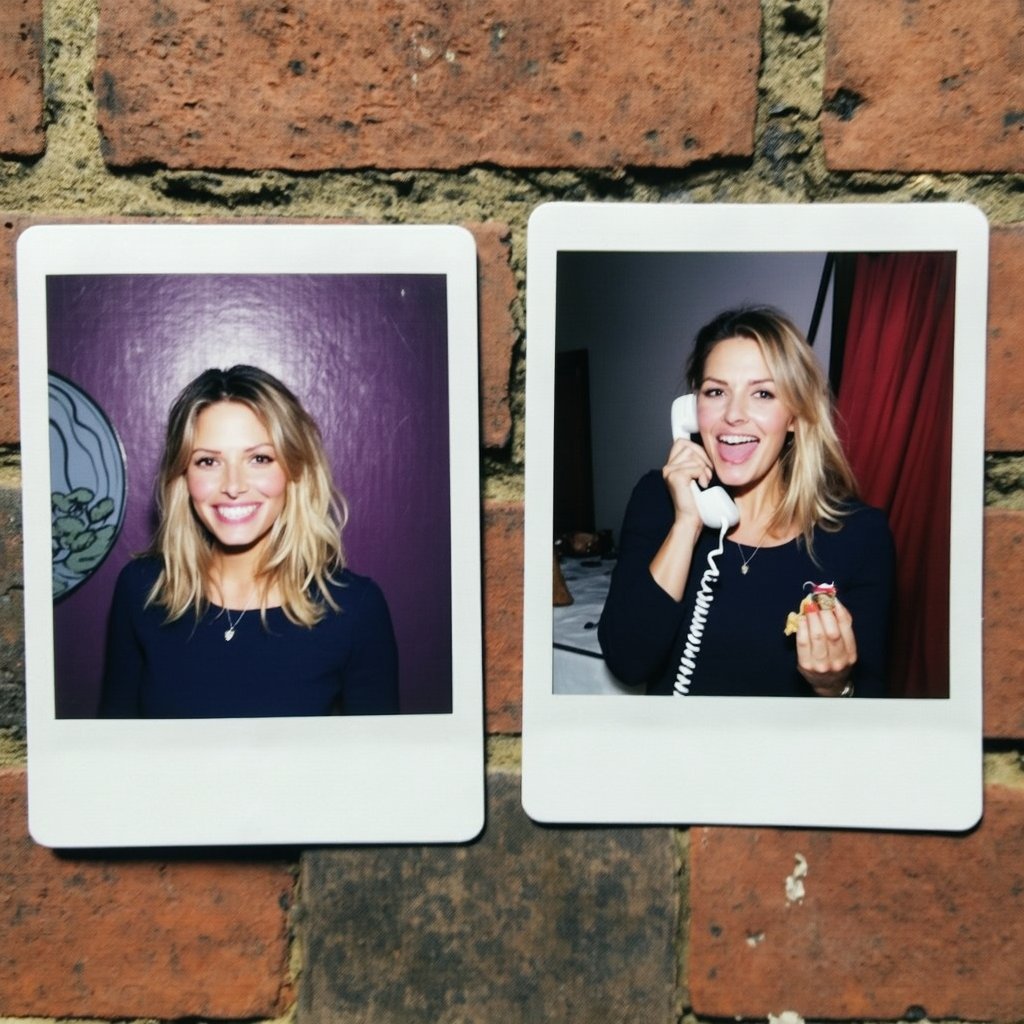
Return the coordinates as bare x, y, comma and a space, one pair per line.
754, 514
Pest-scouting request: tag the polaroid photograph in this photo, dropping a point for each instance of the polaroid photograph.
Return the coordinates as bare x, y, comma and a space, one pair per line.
754, 514
251, 521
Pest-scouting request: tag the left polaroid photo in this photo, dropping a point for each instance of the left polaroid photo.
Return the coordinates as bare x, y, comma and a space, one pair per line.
251, 520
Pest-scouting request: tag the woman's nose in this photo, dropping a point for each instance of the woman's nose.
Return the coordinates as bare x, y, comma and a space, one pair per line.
233, 483
736, 410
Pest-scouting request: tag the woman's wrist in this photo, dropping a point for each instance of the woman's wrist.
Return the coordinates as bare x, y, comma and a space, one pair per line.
840, 687
685, 529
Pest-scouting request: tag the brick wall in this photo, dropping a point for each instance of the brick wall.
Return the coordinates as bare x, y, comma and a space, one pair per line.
472, 113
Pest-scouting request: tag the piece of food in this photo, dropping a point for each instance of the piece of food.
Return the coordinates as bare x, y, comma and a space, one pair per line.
821, 598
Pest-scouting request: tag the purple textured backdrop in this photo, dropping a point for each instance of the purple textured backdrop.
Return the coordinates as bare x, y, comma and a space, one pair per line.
366, 354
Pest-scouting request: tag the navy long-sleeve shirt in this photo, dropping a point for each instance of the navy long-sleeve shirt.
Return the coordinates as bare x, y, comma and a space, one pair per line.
346, 664
743, 651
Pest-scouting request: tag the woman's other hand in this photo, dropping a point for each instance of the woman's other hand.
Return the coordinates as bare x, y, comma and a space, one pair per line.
826, 650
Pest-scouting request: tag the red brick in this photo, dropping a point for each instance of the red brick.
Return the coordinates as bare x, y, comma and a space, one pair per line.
424, 83
497, 331
1004, 641
136, 937
1004, 402
924, 86
888, 921
21, 78
503, 615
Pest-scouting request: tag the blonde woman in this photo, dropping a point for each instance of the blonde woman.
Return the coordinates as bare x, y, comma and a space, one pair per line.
803, 543
243, 606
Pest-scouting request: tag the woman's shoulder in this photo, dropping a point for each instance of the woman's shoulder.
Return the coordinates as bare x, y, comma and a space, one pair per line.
352, 591
650, 492
135, 583
860, 526
139, 573
652, 482
864, 517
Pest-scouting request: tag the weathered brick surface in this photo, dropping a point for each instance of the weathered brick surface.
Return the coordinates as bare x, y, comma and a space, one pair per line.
10, 226
927, 86
136, 937
12, 631
503, 615
21, 78
888, 921
423, 83
1004, 404
1004, 640
497, 331
526, 924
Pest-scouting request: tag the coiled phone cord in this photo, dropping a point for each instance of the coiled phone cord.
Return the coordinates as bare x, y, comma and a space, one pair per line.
705, 595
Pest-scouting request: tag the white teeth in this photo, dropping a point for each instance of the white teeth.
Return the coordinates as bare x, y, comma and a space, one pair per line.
235, 512
736, 439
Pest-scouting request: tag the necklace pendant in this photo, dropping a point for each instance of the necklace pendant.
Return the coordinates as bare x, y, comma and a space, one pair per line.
229, 634
744, 569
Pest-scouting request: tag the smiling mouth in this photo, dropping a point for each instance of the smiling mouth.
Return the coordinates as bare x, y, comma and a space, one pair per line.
737, 448
236, 513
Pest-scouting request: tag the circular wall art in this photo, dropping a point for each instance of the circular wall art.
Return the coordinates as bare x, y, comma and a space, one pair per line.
87, 485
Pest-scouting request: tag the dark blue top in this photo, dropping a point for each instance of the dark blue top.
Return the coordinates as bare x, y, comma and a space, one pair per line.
743, 651
346, 664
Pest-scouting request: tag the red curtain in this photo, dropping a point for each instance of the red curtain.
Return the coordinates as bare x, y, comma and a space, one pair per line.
895, 414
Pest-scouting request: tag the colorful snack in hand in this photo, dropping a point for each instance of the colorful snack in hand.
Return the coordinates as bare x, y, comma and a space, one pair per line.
821, 598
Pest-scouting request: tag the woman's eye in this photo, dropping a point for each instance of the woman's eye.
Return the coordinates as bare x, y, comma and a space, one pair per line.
713, 392
204, 461
263, 459
762, 393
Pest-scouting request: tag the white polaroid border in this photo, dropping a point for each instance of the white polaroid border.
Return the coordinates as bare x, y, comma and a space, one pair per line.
380, 779
892, 764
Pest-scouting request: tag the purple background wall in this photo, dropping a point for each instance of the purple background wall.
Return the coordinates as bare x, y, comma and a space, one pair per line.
366, 354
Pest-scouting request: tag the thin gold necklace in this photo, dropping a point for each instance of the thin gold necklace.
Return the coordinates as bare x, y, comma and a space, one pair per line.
229, 633
745, 567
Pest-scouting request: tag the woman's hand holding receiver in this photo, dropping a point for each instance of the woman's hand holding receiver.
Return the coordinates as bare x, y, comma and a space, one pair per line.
670, 567
826, 651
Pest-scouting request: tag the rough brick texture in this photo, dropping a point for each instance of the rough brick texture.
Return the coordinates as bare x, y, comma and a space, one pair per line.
131, 937
1004, 403
1004, 641
526, 924
425, 83
9, 429
21, 78
12, 612
503, 615
497, 331
924, 86
887, 922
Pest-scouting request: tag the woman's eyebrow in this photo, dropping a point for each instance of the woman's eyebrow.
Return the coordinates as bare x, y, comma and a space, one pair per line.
249, 448
750, 383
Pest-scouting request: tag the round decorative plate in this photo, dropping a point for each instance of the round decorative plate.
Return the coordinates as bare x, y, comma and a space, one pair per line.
87, 485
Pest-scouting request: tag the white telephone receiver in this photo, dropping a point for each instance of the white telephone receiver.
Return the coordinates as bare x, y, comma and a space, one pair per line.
715, 506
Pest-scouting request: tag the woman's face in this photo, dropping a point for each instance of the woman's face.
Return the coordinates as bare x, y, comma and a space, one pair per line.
234, 477
742, 421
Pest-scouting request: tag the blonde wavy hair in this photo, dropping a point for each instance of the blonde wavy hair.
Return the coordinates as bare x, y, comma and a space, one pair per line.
817, 481
304, 552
